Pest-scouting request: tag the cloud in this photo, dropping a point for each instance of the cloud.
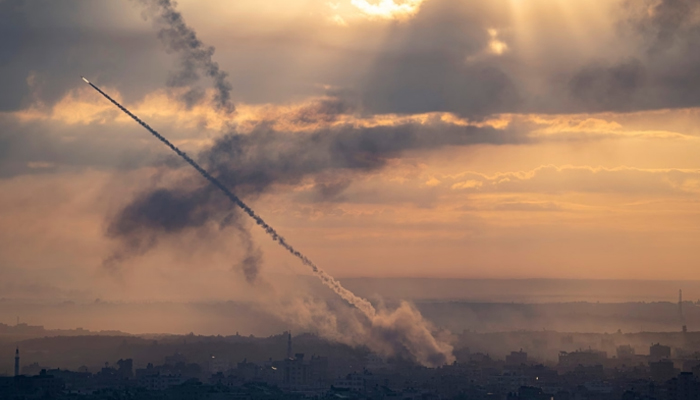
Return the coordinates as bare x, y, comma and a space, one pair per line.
45, 47
600, 88
251, 164
388, 9
658, 73
669, 20
424, 67
472, 59
528, 206
550, 179
469, 184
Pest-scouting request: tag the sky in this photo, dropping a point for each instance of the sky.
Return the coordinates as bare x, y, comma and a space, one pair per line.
382, 138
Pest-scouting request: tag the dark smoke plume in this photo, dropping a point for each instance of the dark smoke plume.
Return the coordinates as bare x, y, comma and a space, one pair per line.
250, 264
403, 330
251, 163
195, 56
360, 303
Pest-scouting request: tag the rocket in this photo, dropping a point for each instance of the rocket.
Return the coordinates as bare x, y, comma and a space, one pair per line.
363, 305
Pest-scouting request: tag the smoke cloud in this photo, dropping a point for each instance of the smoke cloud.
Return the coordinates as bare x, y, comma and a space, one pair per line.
252, 163
400, 331
668, 17
404, 328
250, 264
195, 56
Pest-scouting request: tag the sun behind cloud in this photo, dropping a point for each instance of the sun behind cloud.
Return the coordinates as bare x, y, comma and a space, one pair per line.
388, 9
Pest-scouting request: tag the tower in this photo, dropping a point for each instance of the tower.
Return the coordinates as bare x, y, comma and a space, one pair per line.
680, 311
17, 361
289, 345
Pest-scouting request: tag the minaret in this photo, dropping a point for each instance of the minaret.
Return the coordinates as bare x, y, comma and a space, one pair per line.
684, 328
289, 345
17, 361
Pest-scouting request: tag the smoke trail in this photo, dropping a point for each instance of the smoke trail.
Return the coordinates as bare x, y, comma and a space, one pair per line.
361, 304
194, 55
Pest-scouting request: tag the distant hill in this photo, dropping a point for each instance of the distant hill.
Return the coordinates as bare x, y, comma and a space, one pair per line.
20, 332
523, 290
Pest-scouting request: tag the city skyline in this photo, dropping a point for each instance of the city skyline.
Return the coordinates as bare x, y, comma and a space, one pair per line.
399, 179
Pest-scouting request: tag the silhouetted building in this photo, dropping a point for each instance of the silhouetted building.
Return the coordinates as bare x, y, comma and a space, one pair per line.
659, 352
126, 368
625, 352
38, 386
299, 375
354, 382
683, 387
74, 381
175, 359
160, 381
516, 358
662, 370
218, 365
529, 393
17, 361
586, 358
32, 369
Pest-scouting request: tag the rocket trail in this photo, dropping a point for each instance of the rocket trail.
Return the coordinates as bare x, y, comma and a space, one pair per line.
360, 303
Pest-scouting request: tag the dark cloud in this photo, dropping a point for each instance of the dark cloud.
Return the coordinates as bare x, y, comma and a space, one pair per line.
426, 65
46, 46
324, 110
250, 164
663, 72
670, 18
436, 61
42, 146
440, 61
600, 88
431, 82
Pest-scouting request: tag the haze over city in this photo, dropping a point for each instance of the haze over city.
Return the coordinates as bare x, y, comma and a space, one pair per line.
387, 179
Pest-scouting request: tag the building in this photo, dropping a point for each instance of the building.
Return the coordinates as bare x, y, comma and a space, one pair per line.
585, 358
375, 362
529, 393
516, 358
160, 381
625, 352
353, 382
662, 370
17, 361
658, 352
126, 368
683, 387
38, 386
300, 375
217, 365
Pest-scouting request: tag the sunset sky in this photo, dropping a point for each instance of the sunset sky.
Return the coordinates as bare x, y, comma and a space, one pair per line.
383, 138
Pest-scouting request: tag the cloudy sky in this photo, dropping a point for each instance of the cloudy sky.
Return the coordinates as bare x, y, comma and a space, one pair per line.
383, 138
